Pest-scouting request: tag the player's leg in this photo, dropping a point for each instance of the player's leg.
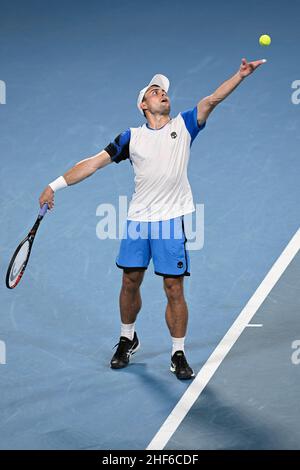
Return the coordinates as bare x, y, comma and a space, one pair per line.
130, 297
130, 304
171, 260
176, 311
177, 320
133, 258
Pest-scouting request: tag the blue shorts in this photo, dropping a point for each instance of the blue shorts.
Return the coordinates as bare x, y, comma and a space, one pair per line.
162, 241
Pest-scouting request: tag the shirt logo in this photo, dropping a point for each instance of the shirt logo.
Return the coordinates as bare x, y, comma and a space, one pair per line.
173, 135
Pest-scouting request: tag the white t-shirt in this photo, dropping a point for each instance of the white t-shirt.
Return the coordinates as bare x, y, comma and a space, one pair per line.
159, 158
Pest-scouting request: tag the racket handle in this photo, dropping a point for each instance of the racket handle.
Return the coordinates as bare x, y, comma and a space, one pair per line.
43, 210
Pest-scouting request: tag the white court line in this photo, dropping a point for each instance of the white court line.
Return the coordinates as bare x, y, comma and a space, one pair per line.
207, 371
254, 325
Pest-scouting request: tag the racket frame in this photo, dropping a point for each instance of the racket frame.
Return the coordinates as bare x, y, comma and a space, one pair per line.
30, 238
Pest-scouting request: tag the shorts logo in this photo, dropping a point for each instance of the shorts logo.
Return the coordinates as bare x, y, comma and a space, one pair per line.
180, 264
173, 135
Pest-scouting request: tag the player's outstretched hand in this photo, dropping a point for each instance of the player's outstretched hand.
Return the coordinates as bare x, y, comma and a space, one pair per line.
47, 196
247, 68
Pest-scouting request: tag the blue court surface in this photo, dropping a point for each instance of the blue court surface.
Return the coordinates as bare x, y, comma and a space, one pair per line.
72, 71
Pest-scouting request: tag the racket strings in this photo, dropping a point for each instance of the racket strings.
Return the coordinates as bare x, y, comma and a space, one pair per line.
19, 263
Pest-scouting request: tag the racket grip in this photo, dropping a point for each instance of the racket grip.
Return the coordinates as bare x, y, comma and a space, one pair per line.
43, 210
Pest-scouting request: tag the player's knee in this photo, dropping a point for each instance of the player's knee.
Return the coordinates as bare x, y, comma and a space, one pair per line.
132, 281
173, 289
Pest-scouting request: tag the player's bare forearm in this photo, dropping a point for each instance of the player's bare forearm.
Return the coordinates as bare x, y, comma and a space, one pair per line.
86, 168
77, 173
208, 104
225, 89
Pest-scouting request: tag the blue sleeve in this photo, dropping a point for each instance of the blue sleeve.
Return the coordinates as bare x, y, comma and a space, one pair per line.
191, 123
119, 148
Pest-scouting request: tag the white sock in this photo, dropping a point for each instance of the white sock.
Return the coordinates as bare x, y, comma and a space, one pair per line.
178, 344
127, 330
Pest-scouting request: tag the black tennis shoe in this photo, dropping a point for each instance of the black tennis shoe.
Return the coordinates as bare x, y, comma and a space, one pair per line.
180, 367
124, 351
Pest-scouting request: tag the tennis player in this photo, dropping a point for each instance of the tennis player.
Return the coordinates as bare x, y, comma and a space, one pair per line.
159, 152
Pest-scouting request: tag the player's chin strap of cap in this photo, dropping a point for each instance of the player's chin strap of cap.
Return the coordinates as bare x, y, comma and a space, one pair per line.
59, 183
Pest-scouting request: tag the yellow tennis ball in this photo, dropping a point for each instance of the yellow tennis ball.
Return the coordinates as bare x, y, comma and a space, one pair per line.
265, 40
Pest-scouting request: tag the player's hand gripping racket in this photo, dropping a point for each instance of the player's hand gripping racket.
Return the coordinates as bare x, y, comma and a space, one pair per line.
20, 257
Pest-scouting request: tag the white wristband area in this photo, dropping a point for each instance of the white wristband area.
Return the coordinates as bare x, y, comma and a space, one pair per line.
59, 183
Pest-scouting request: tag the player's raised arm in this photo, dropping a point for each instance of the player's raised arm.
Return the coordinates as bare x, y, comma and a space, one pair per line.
207, 104
79, 172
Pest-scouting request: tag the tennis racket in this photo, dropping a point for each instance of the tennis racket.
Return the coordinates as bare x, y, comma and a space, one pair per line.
21, 256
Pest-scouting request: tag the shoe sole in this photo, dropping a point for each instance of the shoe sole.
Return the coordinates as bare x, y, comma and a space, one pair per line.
173, 370
131, 354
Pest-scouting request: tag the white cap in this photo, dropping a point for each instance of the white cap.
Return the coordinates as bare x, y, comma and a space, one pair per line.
159, 80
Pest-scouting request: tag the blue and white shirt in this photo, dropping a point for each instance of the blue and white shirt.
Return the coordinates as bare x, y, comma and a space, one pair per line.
159, 158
